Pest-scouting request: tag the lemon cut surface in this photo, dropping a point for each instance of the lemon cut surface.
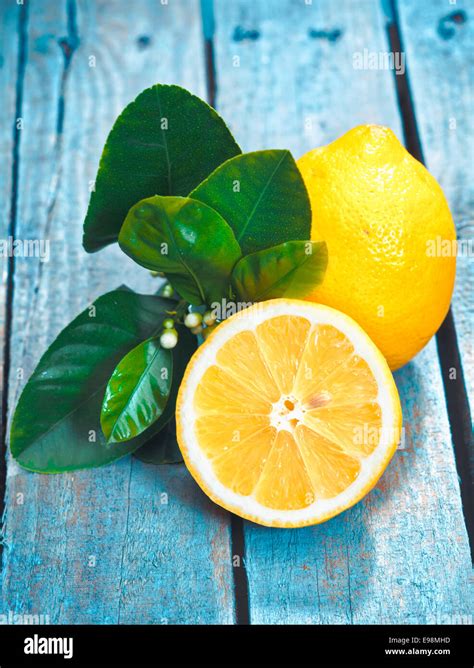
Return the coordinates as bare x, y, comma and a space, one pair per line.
288, 414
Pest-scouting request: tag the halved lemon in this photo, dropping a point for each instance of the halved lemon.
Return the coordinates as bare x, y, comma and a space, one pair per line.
287, 414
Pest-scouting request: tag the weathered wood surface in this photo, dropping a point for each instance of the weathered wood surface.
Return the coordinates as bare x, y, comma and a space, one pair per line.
130, 542
285, 78
439, 43
133, 543
9, 43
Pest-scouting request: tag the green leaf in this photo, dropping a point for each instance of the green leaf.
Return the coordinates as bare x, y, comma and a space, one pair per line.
187, 240
165, 142
262, 196
56, 424
182, 353
292, 269
162, 448
137, 391
159, 449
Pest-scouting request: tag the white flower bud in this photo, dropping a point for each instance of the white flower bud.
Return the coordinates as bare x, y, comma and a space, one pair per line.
209, 318
193, 320
169, 338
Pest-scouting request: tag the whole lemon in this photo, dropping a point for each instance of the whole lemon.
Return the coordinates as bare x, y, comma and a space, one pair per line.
390, 238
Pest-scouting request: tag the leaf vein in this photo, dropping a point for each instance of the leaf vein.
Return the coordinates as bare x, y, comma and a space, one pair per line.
259, 199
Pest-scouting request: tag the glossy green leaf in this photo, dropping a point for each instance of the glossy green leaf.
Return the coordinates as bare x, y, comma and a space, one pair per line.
165, 142
187, 240
137, 392
262, 196
162, 448
182, 353
159, 449
292, 269
56, 424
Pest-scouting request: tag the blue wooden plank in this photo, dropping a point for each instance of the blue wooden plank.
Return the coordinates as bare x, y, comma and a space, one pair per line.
9, 53
176, 559
285, 74
286, 78
439, 44
98, 546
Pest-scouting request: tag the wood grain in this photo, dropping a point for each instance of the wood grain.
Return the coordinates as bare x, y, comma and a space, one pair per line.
285, 78
439, 39
129, 542
9, 51
133, 543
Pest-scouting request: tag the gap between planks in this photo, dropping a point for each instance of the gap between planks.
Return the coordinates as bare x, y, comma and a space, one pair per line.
241, 595
457, 402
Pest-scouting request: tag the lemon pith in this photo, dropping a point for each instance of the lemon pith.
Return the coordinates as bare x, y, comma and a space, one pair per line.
381, 213
287, 414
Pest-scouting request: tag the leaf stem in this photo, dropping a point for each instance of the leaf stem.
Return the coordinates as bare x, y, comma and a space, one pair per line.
181, 310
